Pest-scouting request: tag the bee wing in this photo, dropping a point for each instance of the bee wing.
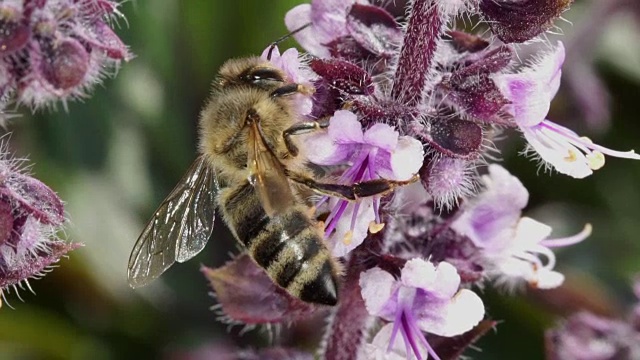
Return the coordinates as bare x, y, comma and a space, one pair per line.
180, 227
267, 175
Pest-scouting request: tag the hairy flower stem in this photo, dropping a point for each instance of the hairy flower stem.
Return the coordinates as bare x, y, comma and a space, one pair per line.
351, 319
419, 46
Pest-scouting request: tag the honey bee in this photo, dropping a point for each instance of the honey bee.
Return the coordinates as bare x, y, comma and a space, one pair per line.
252, 171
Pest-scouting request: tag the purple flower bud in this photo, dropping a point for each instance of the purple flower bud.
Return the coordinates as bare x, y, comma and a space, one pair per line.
34, 197
14, 34
344, 77
384, 111
453, 137
347, 48
447, 179
30, 216
476, 96
99, 35
64, 63
464, 42
56, 50
6, 222
470, 90
339, 81
484, 62
519, 21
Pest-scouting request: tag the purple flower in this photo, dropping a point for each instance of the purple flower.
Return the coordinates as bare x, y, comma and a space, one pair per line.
511, 245
31, 215
378, 152
425, 298
530, 93
328, 20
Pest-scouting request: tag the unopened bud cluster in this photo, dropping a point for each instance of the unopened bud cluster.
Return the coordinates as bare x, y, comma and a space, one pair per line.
31, 217
54, 50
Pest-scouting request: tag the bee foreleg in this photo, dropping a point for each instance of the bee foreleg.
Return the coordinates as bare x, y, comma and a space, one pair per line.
299, 129
354, 191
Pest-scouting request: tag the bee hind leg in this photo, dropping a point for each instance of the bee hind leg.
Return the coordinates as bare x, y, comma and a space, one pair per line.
353, 192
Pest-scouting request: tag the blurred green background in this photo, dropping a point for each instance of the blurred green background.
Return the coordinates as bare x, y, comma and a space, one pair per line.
114, 156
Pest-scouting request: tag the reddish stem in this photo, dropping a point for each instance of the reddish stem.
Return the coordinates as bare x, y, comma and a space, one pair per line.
346, 334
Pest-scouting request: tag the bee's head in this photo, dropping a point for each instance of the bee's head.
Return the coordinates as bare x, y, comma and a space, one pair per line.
254, 72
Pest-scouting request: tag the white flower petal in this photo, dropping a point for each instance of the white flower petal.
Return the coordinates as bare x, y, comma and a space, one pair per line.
547, 279
548, 70
344, 128
532, 90
447, 280
558, 152
510, 269
500, 183
378, 349
464, 312
407, 158
530, 102
377, 288
322, 150
490, 219
343, 238
382, 136
419, 273
529, 233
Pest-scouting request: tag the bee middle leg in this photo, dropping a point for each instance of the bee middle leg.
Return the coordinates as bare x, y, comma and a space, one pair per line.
292, 89
376, 187
299, 129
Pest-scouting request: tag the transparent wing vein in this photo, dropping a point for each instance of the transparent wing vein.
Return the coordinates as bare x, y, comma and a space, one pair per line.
180, 227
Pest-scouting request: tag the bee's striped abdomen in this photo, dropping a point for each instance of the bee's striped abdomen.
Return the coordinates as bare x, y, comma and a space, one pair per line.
244, 213
288, 246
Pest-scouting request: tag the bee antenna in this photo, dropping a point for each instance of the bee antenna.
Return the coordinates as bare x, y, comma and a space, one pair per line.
285, 37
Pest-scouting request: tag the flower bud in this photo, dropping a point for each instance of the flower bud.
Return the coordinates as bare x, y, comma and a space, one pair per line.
519, 21
14, 34
64, 64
